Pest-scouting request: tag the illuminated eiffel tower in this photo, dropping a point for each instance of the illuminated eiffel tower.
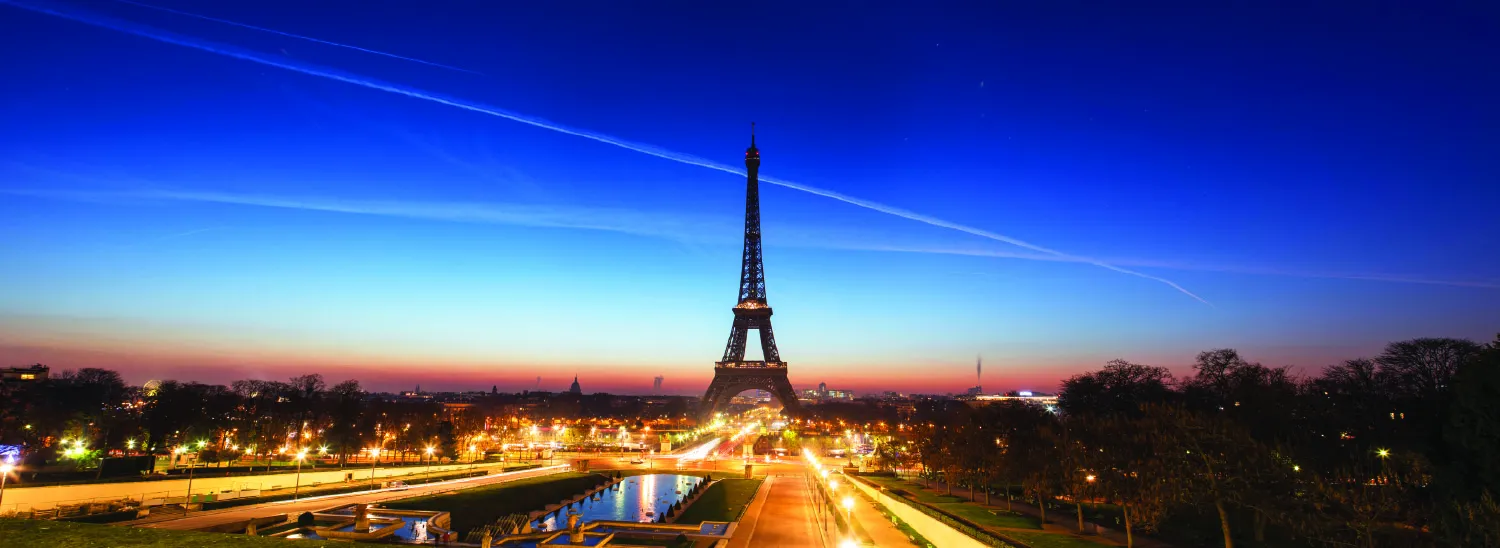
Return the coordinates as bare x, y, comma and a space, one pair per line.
734, 374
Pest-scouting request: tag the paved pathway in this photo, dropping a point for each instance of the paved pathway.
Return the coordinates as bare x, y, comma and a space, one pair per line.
871, 524
210, 518
781, 515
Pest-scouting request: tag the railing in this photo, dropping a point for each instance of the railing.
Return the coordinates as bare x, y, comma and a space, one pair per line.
751, 365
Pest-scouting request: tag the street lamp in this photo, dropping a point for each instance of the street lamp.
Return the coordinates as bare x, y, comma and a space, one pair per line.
429, 462
849, 510
298, 488
374, 458
5, 468
188, 500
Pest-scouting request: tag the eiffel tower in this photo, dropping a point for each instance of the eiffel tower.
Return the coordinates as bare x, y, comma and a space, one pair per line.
734, 374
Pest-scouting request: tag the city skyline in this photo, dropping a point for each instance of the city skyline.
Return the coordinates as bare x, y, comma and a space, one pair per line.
200, 216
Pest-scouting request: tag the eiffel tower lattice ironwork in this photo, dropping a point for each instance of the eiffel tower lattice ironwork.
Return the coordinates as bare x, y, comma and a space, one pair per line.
734, 374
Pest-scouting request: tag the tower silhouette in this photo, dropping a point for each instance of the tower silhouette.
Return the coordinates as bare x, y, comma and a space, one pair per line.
734, 374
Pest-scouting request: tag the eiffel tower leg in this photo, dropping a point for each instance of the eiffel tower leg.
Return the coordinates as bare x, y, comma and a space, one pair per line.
768, 342
782, 388
735, 350
720, 391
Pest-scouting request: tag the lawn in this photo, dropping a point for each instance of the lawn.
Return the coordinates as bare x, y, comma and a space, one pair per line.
1038, 539
724, 501
471, 508
59, 534
914, 488
984, 516
1019, 527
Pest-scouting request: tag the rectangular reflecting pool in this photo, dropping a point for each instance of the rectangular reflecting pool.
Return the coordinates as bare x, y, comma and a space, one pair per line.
637, 498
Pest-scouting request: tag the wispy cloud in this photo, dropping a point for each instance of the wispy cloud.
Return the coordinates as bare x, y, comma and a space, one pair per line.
173, 236
1195, 267
297, 36
628, 221
692, 230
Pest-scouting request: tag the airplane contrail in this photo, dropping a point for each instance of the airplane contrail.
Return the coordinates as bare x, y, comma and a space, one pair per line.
334, 74
297, 36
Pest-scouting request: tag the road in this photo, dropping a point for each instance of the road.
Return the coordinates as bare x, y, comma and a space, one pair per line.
210, 518
781, 515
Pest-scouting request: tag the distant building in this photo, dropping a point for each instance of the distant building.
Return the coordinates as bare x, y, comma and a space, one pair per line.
823, 393
975, 391
1048, 401
415, 396
575, 389
36, 372
656, 384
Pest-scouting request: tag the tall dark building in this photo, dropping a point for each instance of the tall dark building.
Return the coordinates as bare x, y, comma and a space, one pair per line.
575, 389
734, 374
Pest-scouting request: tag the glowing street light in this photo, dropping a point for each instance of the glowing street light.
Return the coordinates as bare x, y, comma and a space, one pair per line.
429, 462
1089, 478
374, 458
848, 509
1383, 453
848, 543
301, 455
5, 468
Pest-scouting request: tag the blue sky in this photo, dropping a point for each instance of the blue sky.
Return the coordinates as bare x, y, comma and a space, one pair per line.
1323, 176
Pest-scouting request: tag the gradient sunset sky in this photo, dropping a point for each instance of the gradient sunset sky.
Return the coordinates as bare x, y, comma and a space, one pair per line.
188, 198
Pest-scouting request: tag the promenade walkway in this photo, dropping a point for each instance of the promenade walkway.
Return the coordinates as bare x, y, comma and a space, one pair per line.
872, 526
780, 515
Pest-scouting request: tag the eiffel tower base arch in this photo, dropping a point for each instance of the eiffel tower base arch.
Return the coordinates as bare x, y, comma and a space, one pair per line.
730, 381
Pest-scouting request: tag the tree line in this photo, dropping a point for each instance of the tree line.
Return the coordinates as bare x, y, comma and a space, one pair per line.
1402, 449
96, 410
